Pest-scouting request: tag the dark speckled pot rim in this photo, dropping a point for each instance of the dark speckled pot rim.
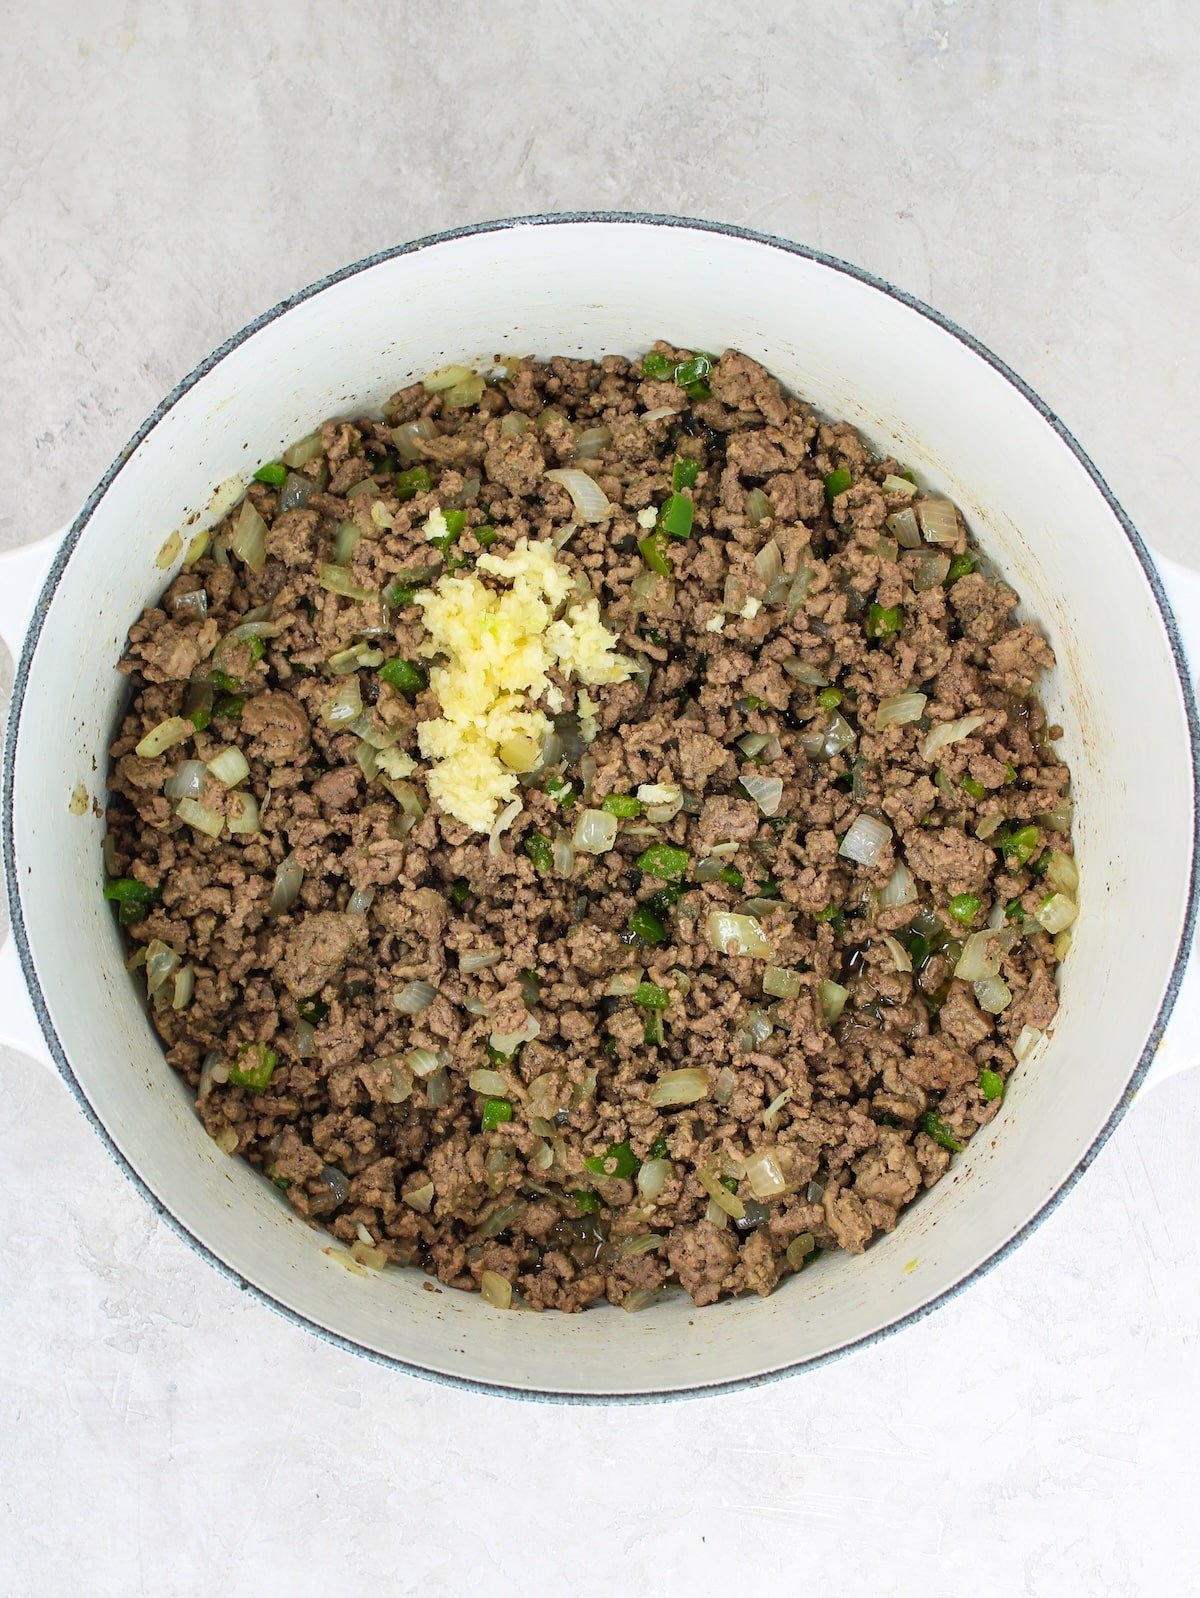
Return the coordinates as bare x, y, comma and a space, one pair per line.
1170, 629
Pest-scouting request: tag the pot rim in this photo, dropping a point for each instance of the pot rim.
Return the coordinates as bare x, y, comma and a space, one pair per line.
645, 219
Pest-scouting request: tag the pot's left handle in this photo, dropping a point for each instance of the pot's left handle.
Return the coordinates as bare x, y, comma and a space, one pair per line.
22, 572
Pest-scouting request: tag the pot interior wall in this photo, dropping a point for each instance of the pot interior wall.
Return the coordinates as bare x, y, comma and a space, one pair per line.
913, 389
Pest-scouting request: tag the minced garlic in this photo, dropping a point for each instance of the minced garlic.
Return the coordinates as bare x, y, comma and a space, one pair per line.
496, 649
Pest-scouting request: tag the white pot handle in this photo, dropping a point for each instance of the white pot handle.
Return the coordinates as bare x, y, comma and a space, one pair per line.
22, 572
1180, 1048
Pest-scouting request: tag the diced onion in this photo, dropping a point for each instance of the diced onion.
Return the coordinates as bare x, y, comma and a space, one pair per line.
194, 603
898, 485
768, 563
249, 541
661, 801
725, 1201
360, 901
306, 1040
471, 960
297, 491
201, 817
593, 441
587, 496
798, 592
833, 999
651, 593
489, 1082
838, 736
982, 955
510, 1042
802, 672
345, 541
414, 997
301, 453
519, 753
993, 994
595, 831
939, 521
1058, 819
643, 1243
678, 1087
897, 709
765, 1175
230, 767
562, 851
446, 377
900, 888
950, 732
754, 1030
165, 736
866, 840
903, 523
660, 413
224, 497
653, 1178
781, 983
504, 820
930, 571
185, 987
462, 395
161, 963
437, 1089
799, 1249
1027, 1040
1062, 945
770, 1116
728, 933
1057, 913
511, 425
495, 1290
767, 792
420, 1198
289, 874
422, 1062
405, 438
243, 815
901, 958
725, 1086
337, 580
1062, 873
344, 704
186, 781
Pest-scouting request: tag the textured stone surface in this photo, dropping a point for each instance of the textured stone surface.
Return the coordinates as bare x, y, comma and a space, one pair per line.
170, 169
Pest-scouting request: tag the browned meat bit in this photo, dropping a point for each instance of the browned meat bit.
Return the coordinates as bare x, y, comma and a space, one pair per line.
471, 1046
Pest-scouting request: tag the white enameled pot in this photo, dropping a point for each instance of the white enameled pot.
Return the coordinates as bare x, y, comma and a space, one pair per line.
918, 388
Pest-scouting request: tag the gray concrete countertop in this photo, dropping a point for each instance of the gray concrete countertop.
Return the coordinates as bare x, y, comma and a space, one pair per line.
169, 170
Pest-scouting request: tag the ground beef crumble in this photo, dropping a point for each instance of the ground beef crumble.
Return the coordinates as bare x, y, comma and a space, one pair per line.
772, 667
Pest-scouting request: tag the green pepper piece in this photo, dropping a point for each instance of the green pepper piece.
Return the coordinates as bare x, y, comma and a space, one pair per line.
230, 705
650, 996
829, 698
664, 860
561, 791
621, 804
684, 474
399, 595
257, 648
970, 786
495, 1113
676, 515
653, 550
729, 1183
698, 391
965, 907
486, 536
941, 1133
960, 566
732, 877
416, 480
658, 1149
274, 472
586, 1201
664, 900
693, 371
834, 916
656, 364
460, 892
884, 621
837, 482
991, 1084
644, 924
1020, 845
404, 675
539, 849
254, 1077
617, 1160
918, 948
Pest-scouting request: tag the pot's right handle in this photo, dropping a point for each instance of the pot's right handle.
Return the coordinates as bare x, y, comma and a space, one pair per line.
22, 572
1180, 1048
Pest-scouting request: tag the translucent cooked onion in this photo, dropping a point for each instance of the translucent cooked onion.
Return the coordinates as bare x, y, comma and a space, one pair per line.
1062, 874
297, 491
161, 963
866, 840
461, 396
360, 901
201, 817
982, 955
399, 1084
230, 767
337, 580
710, 870
623, 983
502, 1217
765, 1175
406, 437
224, 497
754, 1030
504, 820
1027, 1040
345, 541
165, 736
446, 377
781, 983
471, 960
950, 732
562, 851
833, 999
510, 1042
186, 781
243, 816
898, 709
993, 995
193, 604
660, 413
595, 831
802, 672
495, 1290
420, 1198
798, 592
249, 541
728, 933
651, 593
767, 792
653, 1178
520, 754
588, 498
770, 1116
727, 1202
344, 705
904, 525
437, 1089
289, 874
592, 441
768, 563
661, 801
939, 521
489, 1082
1056, 913
901, 958
715, 1215
512, 425
899, 890
838, 736
642, 1243
898, 485
799, 1249
422, 1062
306, 1040
307, 449
678, 1087
725, 1085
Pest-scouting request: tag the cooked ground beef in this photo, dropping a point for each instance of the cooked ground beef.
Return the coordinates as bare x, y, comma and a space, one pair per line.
795, 607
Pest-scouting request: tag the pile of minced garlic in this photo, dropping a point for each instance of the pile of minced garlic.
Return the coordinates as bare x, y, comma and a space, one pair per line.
494, 649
